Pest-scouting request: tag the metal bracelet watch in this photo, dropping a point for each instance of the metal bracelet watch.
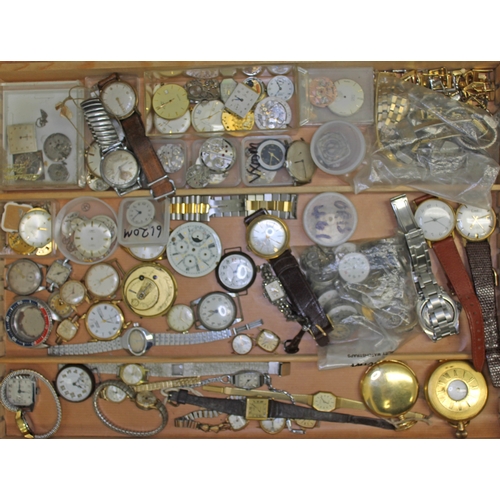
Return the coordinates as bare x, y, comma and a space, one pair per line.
202, 208
22, 384
437, 312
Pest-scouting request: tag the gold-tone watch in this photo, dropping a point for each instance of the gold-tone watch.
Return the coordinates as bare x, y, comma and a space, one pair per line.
457, 393
133, 374
67, 329
267, 236
105, 320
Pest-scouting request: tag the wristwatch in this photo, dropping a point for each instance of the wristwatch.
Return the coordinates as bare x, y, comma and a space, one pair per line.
274, 292
437, 312
437, 220
258, 408
24, 277
476, 225
268, 237
58, 273
158, 182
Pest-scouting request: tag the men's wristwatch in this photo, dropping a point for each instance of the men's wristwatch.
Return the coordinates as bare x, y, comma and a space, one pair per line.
120, 99
256, 408
476, 225
437, 220
437, 312
268, 237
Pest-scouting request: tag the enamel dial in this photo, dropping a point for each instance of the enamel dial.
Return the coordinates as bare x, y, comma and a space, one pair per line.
436, 219
236, 272
170, 101
140, 213
119, 98
267, 236
92, 239
104, 321
102, 280
24, 277
475, 224
280, 86
67, 329
216, 311
120, 168
354, 267
350, 97
194, 249
75, 383
180, 318
35, 227
207, 116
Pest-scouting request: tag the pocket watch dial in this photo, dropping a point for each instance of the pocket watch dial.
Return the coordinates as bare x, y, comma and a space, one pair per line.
242, 344
24, 277
120, 168
436, 219
170, 101
267, 236
102, 280
475, 224
119, 98
194, 249
349, 97
104, 321
216, 311
236, 272
35, 227
180, 317
75, 383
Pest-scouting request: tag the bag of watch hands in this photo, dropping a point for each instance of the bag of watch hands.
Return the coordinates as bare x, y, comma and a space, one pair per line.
367, 290
431, 142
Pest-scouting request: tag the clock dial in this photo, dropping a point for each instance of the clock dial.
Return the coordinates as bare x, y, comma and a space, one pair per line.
119, 98
475, 224
216, 311
75, 383
436, 219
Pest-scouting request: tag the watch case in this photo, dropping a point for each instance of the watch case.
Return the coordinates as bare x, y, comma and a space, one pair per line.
47, 108
310, 114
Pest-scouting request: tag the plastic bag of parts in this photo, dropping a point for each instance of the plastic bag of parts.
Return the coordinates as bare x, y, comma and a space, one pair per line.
367, 290
430, 142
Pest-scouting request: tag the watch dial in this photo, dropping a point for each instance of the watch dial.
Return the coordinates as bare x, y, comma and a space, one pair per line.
170, 101
73, 293
175, 126
35, 227
132, 374
271, 154
137, 341
24, 277
241, 100
104, 321
273, 425
268, 340
217, 311
180, 317
354, 267
194, 249
93, 159
20, 391
75, 383
119, 168
58, 273
299, 162
324, 401
280, 86
67, 330
147, 252
435, 218
140, 213
207, 116
350, 97
236, 272
248, 379
242, 344
102, 280
475, 224
119, 98
267, 236
237, 422
274, 290
92, 239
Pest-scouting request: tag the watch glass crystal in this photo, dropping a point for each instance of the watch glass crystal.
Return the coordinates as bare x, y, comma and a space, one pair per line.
236, 272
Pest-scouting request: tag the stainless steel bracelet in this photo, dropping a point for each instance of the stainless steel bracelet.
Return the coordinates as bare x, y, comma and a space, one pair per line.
171, 339
202, 208
100, 124
437, 312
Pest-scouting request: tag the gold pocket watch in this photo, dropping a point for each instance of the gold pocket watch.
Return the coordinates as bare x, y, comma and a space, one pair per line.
457, 393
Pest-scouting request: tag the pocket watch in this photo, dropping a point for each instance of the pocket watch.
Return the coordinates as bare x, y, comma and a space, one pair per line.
104, 320
133, 374
75, 383
215, 310
349, 97
57, 147
299, 162
170, 101
272, 113
194, 249
172, 157
436, 219
242, 344
93, 159
147, 253
180, 318
273, 425
175, 126
120, 169
207, 116
93, 239
236, 271
119, 98
149, 290
102, 280
267, 340
35, 227
280, 86
58, 273
267, 236
457, 393
24, 277
67, 329
272, 154
354, 267
28, 322
73, 293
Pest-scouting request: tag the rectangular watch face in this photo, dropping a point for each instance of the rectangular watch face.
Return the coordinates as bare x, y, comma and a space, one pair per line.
257, 409
241, 100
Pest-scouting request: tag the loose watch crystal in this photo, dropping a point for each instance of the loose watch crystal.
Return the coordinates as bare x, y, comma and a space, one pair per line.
75, 383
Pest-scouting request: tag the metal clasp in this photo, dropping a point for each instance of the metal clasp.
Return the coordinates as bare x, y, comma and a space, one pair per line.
165, 195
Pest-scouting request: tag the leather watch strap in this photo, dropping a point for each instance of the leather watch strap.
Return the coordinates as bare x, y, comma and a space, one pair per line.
276, 410
447, 253
301, 296
483, 277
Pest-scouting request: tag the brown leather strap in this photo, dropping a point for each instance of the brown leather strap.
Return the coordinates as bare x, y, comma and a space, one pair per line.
483, 277
108, 79
159, 183
447, 253
301, 296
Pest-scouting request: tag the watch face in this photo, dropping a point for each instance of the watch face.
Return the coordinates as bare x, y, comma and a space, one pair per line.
93, 159
102, 280
237, 422
22, 138
170, 101
35, 227
104, 321
216, 311
132, 373
227, 86
58, 273
273, 425
280, 86
175, 126
207, 116
272, 154
354, 267
119, 168
242, 100
242, 344
236, 272
180, 318
66, 330
20, 391
138, 341
119, 99
436, 219
57, 147
267, 236
272, 113
92, 239
324, 401
140, 213
349, 99
114, 394
73, 293
475, 224
248, 379
146, 400
275, 290
194, 249
57, 306
299, 162
147, 253
24, 277
75, 383
267, 340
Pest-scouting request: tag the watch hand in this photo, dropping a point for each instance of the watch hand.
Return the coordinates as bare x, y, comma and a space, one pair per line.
165, 103
105, 278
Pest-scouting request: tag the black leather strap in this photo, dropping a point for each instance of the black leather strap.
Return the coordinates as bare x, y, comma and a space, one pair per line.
276, 410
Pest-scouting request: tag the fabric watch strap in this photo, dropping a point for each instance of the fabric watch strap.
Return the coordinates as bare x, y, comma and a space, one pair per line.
276, 409
447, 253
483, 277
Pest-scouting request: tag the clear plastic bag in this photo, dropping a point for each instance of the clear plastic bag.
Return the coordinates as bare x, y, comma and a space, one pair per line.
367, 290
430, 142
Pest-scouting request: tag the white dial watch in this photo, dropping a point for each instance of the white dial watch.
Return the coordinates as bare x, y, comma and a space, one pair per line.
140, 212
180, 317
104, 320
35, 227
436, 219
102, 280
280, 86
207, 116
350, 97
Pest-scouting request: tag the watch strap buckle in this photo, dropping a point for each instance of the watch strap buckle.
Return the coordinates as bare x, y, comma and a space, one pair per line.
165, 177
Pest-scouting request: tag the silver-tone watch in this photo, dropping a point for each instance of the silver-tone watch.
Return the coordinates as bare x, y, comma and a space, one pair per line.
274, 292
202, 208
437, 312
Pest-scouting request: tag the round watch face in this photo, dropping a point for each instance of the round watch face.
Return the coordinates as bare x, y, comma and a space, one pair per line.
57, 147
102, 280
170, 101
299, 162
272, 425
267, 236
349, 97
242, 344
146, 400
73, 293
436, 219
175, 126
272, 154
180, 318
92, 239
207, 116
35, 227
58, 307
216, 311
194, 249
119, 98
114, 394
475, 224
104, 321
236, 271
132, 373
120, 168
75, 383
280, 86
354, 267
140, 213
24, 277
267, 340
147, 253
